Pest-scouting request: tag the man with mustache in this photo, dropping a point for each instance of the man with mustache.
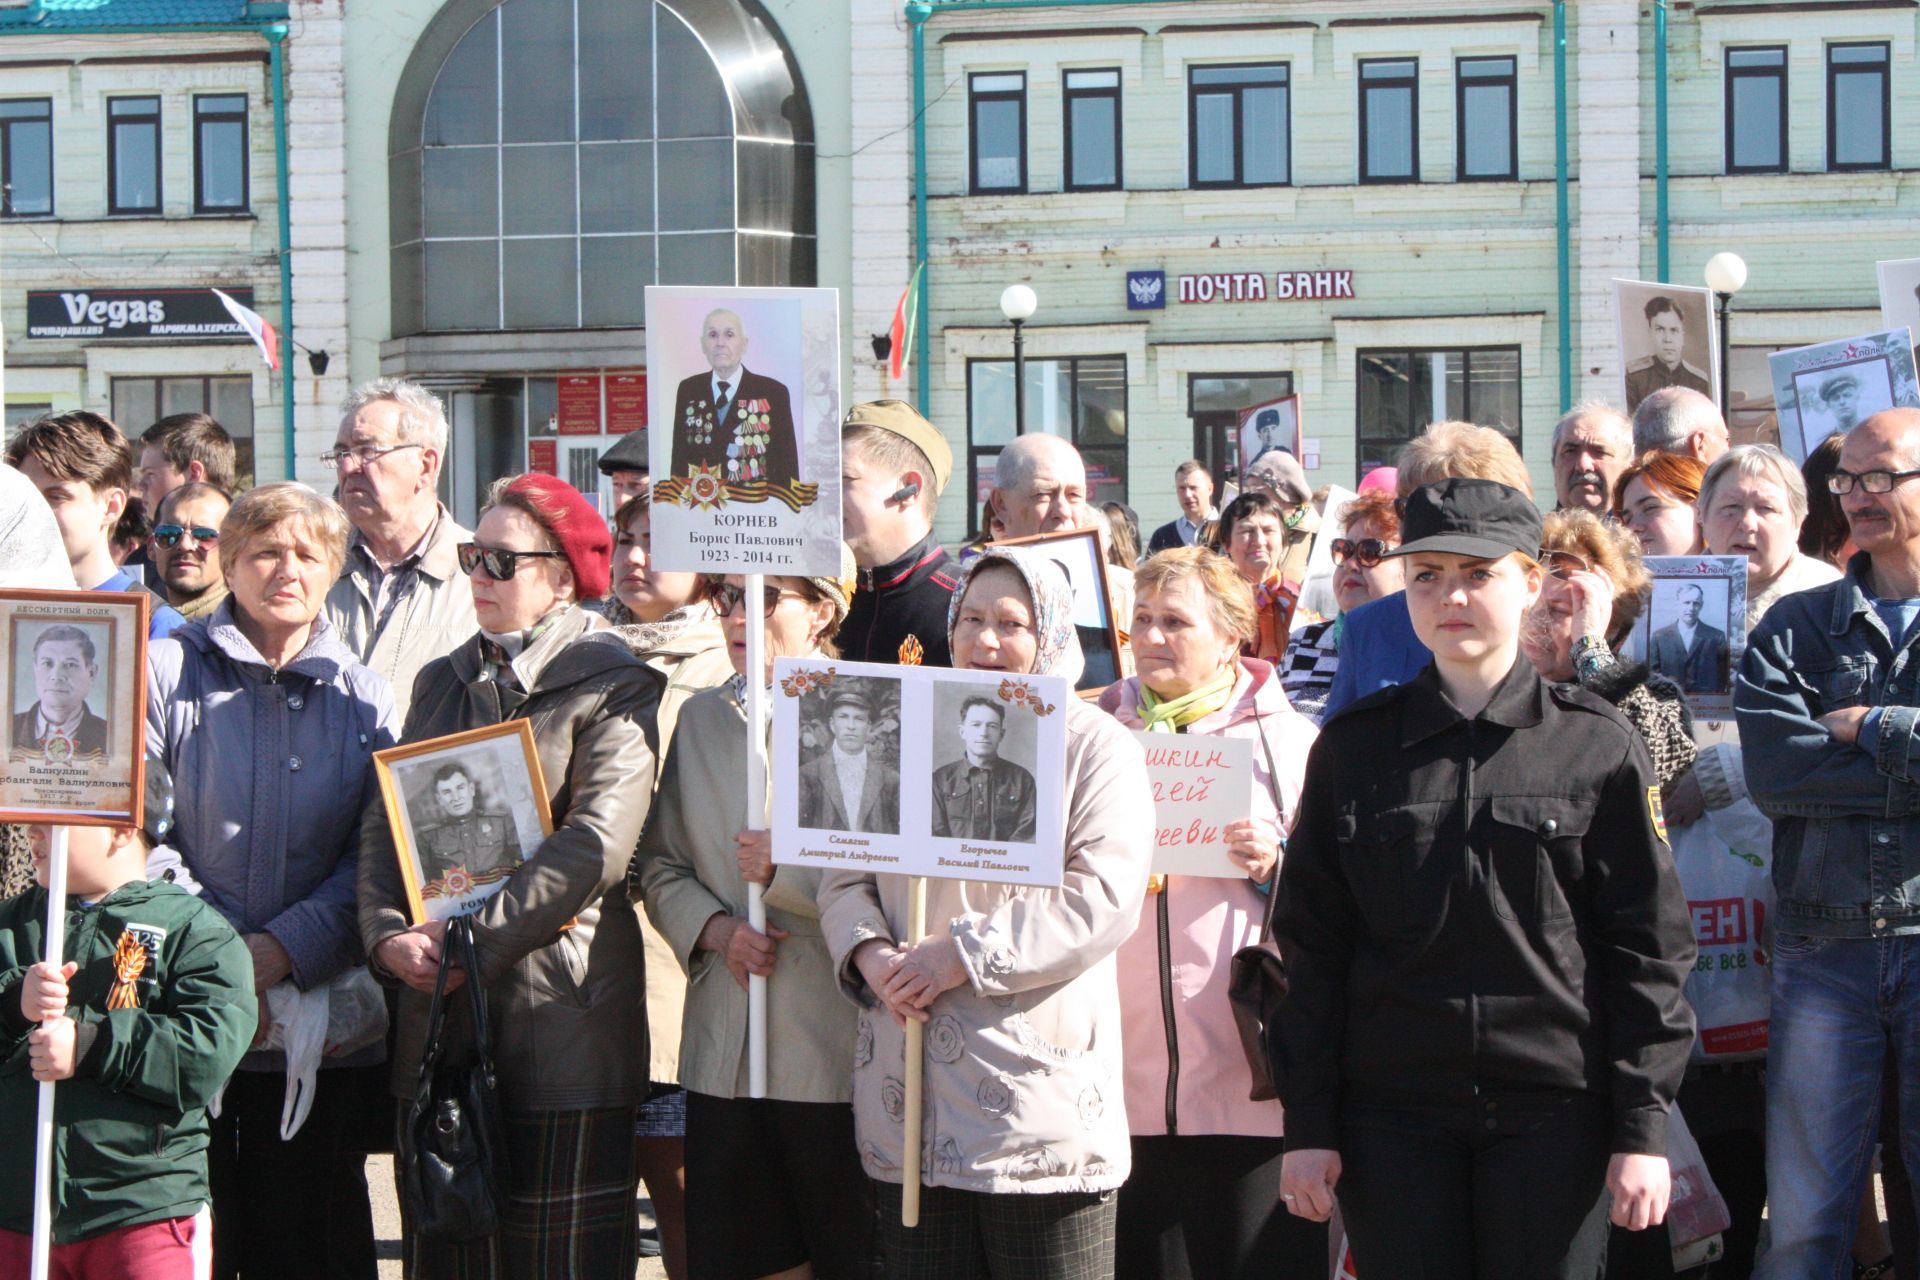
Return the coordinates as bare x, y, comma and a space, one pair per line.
401, 601
185, 556
1592, 445
59, 727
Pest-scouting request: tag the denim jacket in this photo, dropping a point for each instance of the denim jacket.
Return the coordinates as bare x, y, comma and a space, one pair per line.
1846, 833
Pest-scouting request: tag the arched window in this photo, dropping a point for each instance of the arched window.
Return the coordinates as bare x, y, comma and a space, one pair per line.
549, 159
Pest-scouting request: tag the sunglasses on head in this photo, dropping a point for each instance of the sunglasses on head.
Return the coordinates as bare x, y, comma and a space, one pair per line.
1564, 564
1367, 552
500, 565
169, 535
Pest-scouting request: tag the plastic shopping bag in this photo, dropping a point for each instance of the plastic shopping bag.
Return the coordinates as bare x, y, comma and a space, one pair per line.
1696, 1210
1725, 862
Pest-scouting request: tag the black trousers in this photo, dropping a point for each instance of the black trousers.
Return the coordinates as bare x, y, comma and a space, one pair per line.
1726, 1112
291, 1210
971, 1235
1207, 1207
1510, 1186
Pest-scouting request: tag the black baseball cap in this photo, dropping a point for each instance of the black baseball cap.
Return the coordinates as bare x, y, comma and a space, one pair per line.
1480, 518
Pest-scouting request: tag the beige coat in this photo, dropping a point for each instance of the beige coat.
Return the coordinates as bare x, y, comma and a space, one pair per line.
1023, 1065
688, 874
435, 618
693, 661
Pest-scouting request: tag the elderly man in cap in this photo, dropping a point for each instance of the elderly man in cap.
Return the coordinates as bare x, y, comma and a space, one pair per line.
626, 468
893, 466
847, 787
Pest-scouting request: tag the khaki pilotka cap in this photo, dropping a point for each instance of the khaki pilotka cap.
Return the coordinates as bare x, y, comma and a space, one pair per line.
899, 418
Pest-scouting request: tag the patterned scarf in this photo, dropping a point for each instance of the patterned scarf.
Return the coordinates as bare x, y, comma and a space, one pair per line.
652, 637
1274, 600
203, 605
1052, 595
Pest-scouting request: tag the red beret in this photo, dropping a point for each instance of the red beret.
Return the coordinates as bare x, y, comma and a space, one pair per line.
576, 525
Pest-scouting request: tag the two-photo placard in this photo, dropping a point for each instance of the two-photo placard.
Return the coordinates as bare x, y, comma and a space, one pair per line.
919, 771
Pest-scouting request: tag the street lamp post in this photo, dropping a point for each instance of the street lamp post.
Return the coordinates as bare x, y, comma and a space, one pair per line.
1017, 304
1726, 275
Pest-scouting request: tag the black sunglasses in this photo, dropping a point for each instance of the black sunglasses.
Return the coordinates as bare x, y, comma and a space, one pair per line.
500, 565
727, 598
169, 535
1368, 552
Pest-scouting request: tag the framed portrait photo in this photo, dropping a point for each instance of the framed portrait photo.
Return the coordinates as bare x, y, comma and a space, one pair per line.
1078, 552
466, 811
77, 706
1832, 387
1270, 425
1693, 630
1668, 338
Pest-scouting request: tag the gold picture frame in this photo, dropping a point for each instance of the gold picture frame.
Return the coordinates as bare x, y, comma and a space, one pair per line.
458, 846
91, 769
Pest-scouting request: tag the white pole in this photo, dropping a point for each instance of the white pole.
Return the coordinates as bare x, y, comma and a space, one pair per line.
916, 1071
56, 942
756, 821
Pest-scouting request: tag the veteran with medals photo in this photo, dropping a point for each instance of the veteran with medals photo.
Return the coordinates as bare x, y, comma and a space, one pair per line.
475, 840
59, 726
733, 423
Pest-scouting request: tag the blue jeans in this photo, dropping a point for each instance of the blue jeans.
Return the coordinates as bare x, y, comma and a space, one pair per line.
1840, 1006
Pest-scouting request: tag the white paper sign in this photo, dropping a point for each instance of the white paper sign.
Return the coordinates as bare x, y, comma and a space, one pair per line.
919, 771
743, 393
1333, 524
1199, 786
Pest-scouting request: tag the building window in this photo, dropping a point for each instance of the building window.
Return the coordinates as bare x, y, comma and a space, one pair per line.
138, 403
1091, 107
1082, 399
26, 158
1757, 110
1488, 142
1238, 120
997, 107
565, 154
133, 155
220, 153
1389, 120
1857, 107
1214, 402
1401, 392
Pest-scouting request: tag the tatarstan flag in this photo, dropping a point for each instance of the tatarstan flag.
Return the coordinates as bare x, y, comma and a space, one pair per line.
906, 318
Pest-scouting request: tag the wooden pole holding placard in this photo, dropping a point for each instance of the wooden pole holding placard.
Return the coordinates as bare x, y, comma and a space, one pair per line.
916, 1071
756, 821
43, 1173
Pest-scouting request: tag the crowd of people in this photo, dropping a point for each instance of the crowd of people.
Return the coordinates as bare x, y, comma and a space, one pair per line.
1467, 837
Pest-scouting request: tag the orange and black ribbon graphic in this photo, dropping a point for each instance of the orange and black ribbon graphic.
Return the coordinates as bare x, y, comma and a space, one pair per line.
129, 962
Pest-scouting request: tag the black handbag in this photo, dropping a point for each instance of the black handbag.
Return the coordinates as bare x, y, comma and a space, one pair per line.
453, 1148
1257, 981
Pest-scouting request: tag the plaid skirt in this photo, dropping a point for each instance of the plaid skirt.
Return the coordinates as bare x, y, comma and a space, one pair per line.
570, 1204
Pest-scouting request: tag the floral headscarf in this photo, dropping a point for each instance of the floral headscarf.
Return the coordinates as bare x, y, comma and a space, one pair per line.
1052, 595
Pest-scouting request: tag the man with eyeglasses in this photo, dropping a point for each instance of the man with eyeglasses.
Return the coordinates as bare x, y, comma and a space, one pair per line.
186, 548
401, 601
1828, 699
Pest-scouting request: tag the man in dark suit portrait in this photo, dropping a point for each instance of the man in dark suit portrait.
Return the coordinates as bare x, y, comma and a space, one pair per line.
58, 727
980, 796
1689, 652
1665, 367
733, 421
847, 787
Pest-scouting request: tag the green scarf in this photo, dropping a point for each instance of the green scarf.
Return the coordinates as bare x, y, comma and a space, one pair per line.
1174, 714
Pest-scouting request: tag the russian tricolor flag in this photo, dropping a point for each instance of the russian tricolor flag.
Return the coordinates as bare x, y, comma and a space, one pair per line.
264, 335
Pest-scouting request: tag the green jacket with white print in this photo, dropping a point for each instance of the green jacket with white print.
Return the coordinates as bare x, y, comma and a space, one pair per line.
130, 1143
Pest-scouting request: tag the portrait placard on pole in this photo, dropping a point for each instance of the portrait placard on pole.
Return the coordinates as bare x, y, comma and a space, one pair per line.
919, 771
1199, 786
1694, 628
1835, 386
76, 669
744, 391
1669, 337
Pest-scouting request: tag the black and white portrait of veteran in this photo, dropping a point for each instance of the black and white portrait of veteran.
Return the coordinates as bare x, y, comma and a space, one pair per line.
849, 786
1841, 399
982, 795
52, 720
1687, 649
1665, 363
733, 422
467, 834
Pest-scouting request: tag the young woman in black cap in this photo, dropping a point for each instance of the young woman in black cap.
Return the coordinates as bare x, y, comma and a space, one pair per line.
1485, 938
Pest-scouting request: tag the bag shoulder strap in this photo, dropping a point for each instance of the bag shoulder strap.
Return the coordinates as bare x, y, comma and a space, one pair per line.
476, 998
437, 1015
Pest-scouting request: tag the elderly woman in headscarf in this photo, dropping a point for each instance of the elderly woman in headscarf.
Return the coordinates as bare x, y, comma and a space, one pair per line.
1024, 1102
773, 1183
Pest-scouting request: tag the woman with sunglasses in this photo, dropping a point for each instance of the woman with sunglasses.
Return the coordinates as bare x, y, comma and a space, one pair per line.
1654, 498
1253, 533
774, 1186
1363, 570
668, 620
1485, 939
559, 945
